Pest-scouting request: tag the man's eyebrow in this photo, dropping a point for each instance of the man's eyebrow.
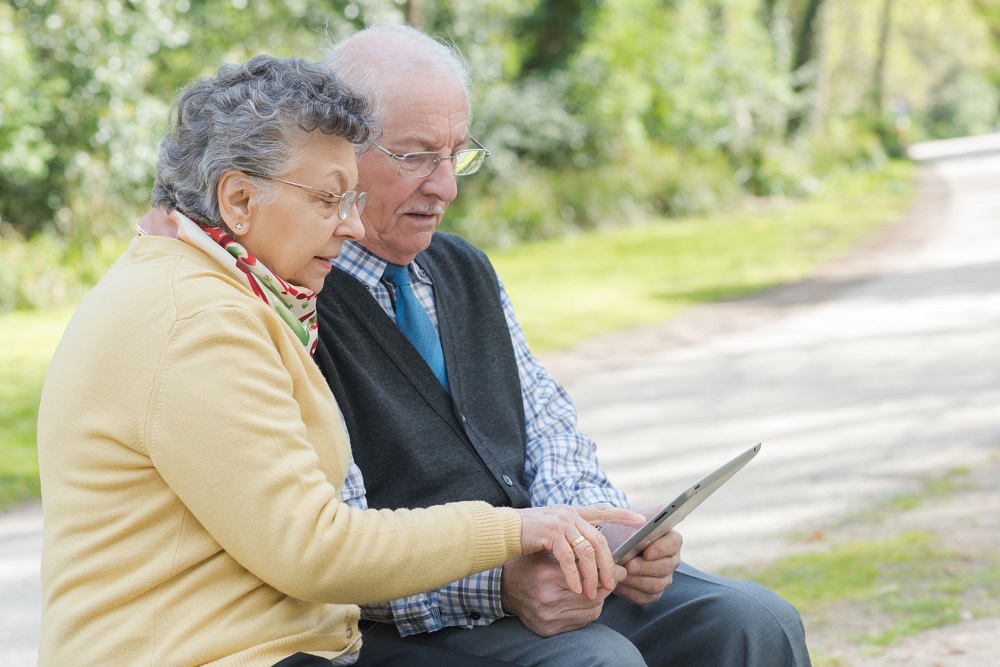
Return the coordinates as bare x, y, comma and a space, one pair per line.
419, 144
424, 144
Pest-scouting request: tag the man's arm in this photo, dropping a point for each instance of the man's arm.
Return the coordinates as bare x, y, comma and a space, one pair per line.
466, 603
562, 467
561, 464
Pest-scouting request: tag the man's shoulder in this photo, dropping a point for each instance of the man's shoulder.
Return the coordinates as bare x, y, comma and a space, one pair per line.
449, 247
454, 242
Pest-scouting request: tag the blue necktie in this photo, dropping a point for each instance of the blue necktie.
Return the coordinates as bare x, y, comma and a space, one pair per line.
415, 323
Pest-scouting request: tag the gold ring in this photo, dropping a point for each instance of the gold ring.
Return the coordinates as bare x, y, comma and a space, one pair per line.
575, 543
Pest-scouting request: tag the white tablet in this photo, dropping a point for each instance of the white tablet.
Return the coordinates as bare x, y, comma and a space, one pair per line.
627, 542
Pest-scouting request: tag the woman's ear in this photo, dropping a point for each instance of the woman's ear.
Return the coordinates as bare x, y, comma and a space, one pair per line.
236, 194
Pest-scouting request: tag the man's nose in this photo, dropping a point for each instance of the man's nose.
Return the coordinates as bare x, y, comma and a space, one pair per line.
442, 182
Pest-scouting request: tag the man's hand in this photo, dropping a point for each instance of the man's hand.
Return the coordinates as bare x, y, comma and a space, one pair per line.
581, 551
533, 588
652, 571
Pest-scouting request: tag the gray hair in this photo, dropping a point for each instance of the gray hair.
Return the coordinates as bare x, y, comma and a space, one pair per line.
250, 118
370, 59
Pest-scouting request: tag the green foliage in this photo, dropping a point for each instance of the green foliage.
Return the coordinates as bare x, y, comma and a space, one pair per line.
553, 32
92, 127
679, 122
594, 110
966, 105
850, 142
52, 271
931, 46
87, 86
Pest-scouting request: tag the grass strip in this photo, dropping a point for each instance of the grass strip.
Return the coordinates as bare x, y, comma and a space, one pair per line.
27, 341
570, 289
861, 594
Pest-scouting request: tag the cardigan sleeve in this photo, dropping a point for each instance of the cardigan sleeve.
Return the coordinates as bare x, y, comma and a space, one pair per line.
228, 428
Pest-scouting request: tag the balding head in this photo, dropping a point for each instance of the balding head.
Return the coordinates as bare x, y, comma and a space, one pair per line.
383, 59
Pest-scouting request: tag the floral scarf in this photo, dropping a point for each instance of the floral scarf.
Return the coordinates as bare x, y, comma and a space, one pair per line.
295, 305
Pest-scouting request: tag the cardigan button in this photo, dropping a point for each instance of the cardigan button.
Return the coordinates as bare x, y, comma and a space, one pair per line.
350, 632
507, 480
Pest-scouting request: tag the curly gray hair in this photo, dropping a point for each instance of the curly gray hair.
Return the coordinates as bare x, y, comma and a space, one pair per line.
251, 118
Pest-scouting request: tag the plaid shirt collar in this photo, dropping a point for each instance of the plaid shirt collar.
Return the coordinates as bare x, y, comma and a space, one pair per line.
367, 267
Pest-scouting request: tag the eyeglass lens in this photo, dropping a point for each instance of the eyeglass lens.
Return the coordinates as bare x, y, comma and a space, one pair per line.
464, 162
352, 197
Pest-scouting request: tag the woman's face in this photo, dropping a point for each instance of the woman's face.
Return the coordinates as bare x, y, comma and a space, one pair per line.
299, 231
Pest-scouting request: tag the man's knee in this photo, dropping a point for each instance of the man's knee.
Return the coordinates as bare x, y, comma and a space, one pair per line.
759, 624
704, 619
599, 646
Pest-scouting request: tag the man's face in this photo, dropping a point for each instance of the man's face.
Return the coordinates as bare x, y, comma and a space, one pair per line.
421, 114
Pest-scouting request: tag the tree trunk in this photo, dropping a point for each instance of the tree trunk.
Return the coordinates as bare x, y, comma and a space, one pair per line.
804, 54
878, 78
413, 10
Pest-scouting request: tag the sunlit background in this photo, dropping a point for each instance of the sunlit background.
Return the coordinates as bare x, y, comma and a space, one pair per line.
647, 156
598, 113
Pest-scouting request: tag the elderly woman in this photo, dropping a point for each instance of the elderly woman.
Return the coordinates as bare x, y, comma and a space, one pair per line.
191, 453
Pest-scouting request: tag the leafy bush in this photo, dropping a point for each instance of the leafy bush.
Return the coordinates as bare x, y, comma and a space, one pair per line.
51, 271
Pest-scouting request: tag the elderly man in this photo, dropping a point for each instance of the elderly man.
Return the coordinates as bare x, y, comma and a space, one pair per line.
444, 401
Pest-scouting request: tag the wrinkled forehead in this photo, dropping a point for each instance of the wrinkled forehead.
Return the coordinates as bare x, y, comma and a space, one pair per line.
411, 103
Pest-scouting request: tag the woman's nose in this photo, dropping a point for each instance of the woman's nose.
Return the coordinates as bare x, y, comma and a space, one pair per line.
351, 229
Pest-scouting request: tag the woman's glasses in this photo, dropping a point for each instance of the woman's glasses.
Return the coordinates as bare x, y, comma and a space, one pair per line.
347, 200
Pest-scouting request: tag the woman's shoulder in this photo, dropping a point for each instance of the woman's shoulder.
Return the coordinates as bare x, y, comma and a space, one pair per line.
191, 276
166, 280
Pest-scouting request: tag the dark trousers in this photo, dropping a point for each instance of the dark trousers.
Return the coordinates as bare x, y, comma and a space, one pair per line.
702, 620
410, 656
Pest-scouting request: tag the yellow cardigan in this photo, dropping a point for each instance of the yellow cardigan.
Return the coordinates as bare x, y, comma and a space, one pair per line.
191, 460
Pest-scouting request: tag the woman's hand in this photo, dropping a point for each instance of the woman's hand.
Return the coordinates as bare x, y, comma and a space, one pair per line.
586, 563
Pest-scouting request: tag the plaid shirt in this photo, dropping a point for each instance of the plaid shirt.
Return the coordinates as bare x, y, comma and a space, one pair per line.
561, 464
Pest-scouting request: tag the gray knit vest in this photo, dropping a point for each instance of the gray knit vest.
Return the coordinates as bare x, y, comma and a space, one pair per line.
416, 445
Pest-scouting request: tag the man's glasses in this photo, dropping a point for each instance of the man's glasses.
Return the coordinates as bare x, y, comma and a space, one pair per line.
422, 164
347, 200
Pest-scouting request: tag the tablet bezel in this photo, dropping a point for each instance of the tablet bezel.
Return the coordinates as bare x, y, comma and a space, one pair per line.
672, 513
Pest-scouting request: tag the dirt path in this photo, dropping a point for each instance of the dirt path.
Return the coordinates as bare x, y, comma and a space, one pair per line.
874, 376
965, 523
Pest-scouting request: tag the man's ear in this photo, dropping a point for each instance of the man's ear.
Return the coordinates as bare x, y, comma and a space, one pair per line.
236, 200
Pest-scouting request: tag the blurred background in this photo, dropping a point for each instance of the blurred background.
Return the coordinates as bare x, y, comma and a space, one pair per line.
598, 113
647, 155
